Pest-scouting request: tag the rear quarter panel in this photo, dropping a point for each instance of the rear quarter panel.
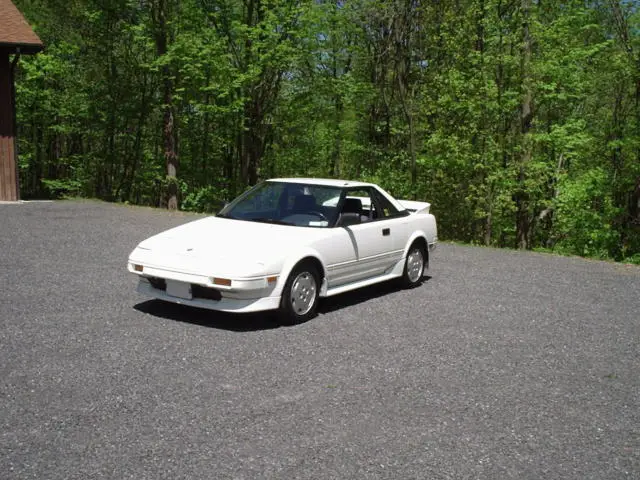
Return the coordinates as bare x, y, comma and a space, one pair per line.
421, 225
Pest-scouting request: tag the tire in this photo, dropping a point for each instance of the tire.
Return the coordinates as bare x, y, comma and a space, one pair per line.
300, 295
414, 266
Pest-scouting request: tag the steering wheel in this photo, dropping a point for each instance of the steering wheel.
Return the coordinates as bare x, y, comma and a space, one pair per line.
317, 214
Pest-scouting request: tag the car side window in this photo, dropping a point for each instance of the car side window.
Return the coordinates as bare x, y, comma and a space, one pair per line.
384, 206
359, 201
355, 207
362, 205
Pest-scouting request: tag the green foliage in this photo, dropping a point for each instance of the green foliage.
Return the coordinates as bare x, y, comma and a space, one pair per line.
585, 216
424, 98
207, 199
635, 259
62, 188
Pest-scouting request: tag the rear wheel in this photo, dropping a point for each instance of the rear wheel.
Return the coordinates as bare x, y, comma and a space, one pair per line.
300, 295
414, 266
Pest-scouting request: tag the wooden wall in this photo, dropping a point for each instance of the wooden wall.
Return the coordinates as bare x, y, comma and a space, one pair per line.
9, 190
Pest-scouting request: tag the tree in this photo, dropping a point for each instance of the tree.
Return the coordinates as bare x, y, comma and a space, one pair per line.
161, 11
518, 120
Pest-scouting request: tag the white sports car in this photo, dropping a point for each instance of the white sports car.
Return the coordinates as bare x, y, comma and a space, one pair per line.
286, 242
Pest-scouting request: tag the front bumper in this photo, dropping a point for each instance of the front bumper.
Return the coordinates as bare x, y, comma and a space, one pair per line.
190, 287
225, 304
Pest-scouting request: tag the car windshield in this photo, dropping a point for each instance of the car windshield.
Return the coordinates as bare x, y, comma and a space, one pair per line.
286, 203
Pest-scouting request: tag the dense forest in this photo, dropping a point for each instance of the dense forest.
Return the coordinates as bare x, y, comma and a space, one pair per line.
518, 119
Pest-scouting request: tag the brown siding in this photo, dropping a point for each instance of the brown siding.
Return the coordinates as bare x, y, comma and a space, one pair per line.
8, 171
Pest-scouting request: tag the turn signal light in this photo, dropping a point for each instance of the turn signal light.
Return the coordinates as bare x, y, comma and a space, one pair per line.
137, 268
272, 279
222, 281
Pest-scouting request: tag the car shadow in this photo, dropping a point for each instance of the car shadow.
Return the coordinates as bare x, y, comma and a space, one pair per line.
235, 322
251, 322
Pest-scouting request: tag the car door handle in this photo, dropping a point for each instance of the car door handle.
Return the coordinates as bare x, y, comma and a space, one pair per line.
386, 231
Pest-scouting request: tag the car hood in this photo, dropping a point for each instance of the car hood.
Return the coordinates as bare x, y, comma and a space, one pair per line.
222, 246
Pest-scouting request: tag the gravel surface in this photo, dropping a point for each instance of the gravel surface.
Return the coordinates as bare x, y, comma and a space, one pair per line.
503, 364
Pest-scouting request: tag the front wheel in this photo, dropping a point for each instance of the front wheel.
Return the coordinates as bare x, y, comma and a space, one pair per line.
300, 295
413, 267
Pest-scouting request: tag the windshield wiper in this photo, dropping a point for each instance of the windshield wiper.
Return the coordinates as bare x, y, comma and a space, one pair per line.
225, 215
270, 220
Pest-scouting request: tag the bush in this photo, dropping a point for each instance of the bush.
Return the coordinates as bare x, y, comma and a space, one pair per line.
208, 199
584, 217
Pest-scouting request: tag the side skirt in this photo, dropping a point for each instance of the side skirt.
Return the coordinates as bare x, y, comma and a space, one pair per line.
394, 272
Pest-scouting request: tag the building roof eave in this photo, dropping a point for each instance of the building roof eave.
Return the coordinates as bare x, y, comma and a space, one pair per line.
22, 48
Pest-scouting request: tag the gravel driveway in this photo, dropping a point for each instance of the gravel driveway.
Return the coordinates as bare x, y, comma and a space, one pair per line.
503, 364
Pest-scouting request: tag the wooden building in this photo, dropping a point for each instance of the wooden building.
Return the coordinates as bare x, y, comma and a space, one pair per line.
16, 38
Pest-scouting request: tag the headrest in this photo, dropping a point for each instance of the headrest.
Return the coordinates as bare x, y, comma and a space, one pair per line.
352, 205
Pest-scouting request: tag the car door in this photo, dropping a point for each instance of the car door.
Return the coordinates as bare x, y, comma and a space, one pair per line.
374, 239
374, 246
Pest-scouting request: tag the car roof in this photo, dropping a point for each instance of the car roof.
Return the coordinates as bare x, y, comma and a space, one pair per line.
329, 182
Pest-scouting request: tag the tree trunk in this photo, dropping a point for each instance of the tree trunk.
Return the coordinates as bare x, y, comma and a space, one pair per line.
137, 145
412, 150
251, 143
523, 222
168, 118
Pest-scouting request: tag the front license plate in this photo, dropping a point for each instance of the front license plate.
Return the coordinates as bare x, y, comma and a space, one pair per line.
179, 289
